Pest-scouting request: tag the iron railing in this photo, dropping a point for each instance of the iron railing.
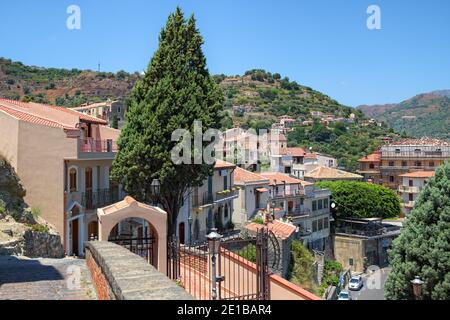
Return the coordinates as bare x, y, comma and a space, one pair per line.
143, 247
89, 145
100, 198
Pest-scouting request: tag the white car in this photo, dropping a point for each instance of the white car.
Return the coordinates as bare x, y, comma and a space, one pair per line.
344, 295
355, 283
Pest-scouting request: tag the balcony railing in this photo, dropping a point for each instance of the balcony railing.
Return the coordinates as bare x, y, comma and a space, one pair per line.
299, 213
202, 200
91, 145
407, 189
100, 198
408, 204
406, 168
226, 194
288, 193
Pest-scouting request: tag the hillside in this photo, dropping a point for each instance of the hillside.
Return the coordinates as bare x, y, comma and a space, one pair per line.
256, 99
423, 115
60, 86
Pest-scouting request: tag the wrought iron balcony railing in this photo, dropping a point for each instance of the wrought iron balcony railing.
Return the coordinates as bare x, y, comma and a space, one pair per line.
89, 145
99, 198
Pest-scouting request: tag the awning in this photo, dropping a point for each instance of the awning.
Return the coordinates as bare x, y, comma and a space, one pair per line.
262, 190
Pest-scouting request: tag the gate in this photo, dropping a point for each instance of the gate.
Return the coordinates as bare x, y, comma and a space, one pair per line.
143, 247
243, 267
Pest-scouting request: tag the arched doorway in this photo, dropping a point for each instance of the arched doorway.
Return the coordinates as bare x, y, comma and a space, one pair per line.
139, 236
138, 227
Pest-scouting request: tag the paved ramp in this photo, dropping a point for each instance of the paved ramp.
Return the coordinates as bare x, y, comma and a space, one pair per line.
44, 279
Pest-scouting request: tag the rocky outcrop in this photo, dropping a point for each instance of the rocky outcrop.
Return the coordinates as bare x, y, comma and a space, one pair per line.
12, 193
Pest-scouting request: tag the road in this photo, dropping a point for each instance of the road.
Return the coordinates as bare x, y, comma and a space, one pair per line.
44, 279
373, 288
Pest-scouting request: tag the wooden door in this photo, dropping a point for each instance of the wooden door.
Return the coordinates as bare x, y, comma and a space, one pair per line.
75, 237
88, 188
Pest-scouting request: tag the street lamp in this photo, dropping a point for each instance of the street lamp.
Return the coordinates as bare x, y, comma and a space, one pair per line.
417, 287
273, 205
213, 247
155, 190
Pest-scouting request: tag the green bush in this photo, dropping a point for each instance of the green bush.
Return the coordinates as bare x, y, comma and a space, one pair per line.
258, 220
40, 228
35, 212
248, 252
362, 200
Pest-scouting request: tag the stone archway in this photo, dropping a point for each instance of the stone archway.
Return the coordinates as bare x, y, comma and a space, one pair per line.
110, 216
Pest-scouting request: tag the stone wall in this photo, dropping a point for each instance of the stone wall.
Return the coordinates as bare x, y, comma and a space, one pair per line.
119, 274
42, 245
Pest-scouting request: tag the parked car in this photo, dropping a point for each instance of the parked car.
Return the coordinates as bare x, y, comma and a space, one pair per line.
355, 283
344, 295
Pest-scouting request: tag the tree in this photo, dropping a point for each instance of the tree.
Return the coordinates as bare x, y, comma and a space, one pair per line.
423, 247
362, 200
175, 91
115, 121
301, 267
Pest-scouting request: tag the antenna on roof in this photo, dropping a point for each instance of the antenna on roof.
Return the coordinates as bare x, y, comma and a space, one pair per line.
99, 66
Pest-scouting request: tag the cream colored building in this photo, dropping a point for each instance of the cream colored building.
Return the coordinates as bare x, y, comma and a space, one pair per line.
210, 205
63, 158
412, 184
253, 195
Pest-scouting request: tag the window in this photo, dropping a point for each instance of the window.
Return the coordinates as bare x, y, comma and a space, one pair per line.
417, 151
302, 200
73, 180
391, 163
397, 150
404, 164
325, 223
314, 226
314, 205
325, 203
418, 163
320, 224
225, 183
226, 211
350, 262
411, 183
371, 166
320, 204
391, 178
431, 164
411, 197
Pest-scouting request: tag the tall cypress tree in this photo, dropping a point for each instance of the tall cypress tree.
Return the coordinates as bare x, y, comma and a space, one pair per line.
423, 247
175, 91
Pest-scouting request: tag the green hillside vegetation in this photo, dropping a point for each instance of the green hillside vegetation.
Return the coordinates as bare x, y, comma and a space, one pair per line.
423, 115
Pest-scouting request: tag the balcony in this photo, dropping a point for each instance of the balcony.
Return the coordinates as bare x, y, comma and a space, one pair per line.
226, 195
408, 189
102, 197
91, 148
288, 193
202, 200
299, 213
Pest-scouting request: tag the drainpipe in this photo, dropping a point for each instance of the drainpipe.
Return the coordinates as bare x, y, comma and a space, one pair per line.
64, 207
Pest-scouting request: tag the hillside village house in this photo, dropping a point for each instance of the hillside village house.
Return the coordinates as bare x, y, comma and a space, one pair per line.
304, 205
63, 158
369, 167
412, 184
253, 195
208, 206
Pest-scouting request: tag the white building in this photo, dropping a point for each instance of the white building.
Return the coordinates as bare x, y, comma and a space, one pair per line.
412, 184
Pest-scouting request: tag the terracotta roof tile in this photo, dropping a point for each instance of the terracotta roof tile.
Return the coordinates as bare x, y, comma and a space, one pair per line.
281, 229
330, 173
418, 174
220, 164
244, 176
374, 157
24, 116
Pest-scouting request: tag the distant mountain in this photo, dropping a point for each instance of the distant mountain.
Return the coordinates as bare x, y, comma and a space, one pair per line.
426, 114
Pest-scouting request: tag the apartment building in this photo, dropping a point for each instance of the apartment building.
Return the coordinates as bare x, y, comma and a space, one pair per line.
63, 158
407, 155
208, 206
303, 204
253, 195
412, 184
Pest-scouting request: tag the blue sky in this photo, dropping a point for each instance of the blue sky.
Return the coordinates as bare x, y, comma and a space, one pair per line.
324, 44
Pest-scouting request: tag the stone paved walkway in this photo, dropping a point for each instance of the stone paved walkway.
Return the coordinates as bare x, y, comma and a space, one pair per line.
44, 279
